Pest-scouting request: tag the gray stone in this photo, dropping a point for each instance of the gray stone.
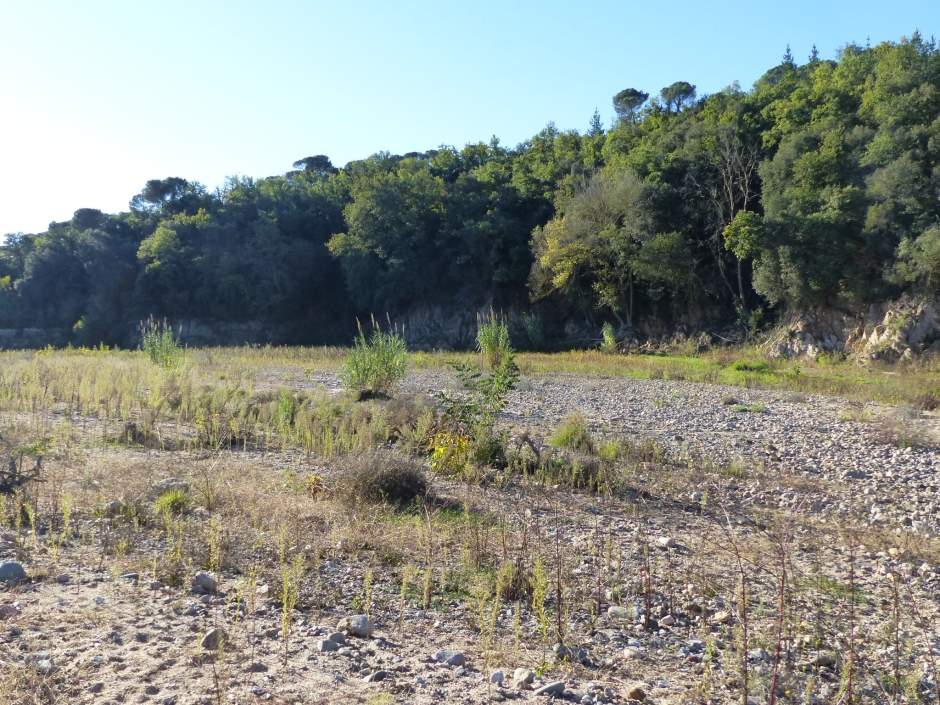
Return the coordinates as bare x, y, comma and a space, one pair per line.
556, 688
357, 625
668, 542
523, 677
213, 638
345, 651
11, 571
205, 581
171, 483
376, 676
497, 677
96, 687
62, 578
561, 651
338, 637
114, 508
327, 645
758, 655
668, 621
451, 658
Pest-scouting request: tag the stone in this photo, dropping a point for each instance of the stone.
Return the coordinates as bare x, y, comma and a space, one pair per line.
451, 658
821, 658
212, 639
555, 688
205, 581
668, 542
522, 677
668, 621
636, 693
722, 617
11, 571
151, 690
617, 612
561, 651
327, 645
133, 578
338, 637
62, 578
357, 625
758, 655
497, 677
171, 483
632, 653
376, 676
96, 687
113, 508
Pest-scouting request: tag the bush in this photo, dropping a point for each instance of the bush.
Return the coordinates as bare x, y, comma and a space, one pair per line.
493, 339
535, 332
573, 434
609, 341
375, 366
380, 476
158, 341
174, 501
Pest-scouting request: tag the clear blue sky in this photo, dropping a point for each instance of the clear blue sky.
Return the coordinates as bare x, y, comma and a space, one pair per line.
97, 97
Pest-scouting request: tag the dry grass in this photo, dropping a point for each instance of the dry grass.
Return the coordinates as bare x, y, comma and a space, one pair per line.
282, 480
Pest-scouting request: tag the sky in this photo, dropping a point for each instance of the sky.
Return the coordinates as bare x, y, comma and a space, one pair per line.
97, 97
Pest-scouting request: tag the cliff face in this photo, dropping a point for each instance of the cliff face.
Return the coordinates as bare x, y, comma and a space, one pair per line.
890, 331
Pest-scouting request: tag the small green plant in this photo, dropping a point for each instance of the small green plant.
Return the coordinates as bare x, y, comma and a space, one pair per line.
173, 502
160, 344
493, 339
375, 365
573, 434
608, 339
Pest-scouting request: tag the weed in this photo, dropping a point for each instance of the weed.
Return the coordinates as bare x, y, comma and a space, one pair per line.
379, 476
174, 502
573, 434
159, 343
376, 365
493, 339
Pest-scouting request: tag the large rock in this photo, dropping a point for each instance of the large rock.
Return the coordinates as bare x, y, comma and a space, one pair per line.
11, 571
357, 625
205, 581
451, 658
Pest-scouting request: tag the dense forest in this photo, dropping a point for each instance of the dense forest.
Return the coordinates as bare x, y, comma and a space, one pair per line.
819, 187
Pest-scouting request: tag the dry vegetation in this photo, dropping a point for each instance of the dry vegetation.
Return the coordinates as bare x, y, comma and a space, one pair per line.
657, 571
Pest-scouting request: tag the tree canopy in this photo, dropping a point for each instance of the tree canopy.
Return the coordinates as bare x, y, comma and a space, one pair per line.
819, 186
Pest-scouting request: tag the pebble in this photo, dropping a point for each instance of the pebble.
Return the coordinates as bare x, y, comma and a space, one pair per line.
338, 637
497, 677
62, 578
668, 621
327, 645
668, 542
522, 677
11, 571
376, 676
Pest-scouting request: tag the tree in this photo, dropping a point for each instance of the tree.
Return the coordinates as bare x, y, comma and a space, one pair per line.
628, 101
596, 128
158, 193
319, 165
814, 55
676, 95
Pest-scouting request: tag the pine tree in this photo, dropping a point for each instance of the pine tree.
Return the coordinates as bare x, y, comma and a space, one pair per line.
814, 54
596, 127
788, 57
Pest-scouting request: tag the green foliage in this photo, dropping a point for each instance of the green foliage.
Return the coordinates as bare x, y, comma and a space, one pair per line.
608, 339
573, 434
160, 344
482, 398
493, 339
375, 365
535, 332
173, 502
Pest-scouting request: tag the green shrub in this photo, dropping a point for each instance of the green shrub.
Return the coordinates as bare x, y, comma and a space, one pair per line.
158, 341
375, 365
609, 341
573, 434
174, 501
493, 339
749, 366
